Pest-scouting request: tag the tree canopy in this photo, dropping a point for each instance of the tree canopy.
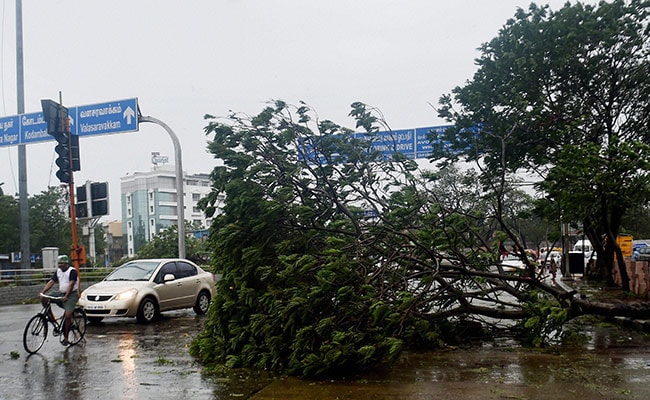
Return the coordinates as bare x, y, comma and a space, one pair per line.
564, 95
165, 245
9, 224
49, 222
49, 225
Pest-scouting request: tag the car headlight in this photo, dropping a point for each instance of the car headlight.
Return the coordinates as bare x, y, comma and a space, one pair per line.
129, 294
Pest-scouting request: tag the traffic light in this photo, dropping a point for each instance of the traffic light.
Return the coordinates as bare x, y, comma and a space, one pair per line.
99, 198
74, 152
62, 149
67, 147
81, 208
92, 200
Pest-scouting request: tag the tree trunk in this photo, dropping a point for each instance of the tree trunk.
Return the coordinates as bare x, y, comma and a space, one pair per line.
582, 306
622, 268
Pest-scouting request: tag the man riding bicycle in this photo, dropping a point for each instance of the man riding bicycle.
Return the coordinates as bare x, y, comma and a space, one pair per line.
68, 282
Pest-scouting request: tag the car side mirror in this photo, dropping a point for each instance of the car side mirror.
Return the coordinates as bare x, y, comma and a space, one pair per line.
169, 278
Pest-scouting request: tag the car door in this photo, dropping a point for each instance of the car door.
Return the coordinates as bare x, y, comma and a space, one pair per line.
190, 283
169, 293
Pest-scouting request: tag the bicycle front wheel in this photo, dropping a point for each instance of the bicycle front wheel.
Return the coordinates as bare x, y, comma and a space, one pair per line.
78, 327
35, 334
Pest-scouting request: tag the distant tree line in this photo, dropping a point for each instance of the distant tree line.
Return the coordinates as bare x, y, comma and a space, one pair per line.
49, 223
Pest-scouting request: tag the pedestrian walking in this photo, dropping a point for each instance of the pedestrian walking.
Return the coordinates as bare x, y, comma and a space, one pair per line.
552, 268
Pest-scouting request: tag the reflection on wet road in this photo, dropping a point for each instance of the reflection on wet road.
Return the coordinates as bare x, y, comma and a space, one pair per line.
491, 373
120, 360
125, 360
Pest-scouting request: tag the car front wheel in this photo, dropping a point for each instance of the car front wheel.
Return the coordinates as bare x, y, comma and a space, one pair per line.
147, 311
202, 303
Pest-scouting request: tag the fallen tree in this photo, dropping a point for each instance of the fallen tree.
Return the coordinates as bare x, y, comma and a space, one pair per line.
335, 258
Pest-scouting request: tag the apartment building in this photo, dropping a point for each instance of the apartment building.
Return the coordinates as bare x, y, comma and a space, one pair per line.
149, 204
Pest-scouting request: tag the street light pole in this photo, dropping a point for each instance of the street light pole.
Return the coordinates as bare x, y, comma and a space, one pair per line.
180, 194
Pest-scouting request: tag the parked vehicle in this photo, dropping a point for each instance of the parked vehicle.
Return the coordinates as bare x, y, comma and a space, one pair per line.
635, 249
583, 246
644, 254
512, 263
145, 288
587, 249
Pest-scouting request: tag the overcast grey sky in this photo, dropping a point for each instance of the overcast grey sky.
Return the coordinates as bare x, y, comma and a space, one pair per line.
183, 60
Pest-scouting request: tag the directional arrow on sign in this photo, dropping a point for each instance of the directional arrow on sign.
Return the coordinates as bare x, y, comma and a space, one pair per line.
128, 114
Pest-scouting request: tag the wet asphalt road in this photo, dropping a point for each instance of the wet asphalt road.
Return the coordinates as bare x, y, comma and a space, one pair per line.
120, 360
125, 360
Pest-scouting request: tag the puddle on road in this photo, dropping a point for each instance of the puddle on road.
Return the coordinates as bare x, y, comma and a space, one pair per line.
615, 364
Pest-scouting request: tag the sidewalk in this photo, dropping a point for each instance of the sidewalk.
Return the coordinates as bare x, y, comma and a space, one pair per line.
592, 291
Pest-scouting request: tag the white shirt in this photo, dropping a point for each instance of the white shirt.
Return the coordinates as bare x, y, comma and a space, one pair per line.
65, 278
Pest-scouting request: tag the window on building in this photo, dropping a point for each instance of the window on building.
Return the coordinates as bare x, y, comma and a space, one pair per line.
166, 210
166, 197
196, 196
129, 206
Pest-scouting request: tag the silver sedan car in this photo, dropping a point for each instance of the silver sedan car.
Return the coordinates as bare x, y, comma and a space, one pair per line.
145, 288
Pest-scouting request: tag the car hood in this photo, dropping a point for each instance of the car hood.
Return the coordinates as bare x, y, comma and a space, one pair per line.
115, 287
512, 263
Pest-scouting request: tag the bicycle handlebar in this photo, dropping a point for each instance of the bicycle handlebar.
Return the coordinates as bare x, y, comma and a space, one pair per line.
50, 297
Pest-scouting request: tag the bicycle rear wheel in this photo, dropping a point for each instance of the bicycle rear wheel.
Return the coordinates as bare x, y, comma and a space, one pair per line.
35, 334
78, 327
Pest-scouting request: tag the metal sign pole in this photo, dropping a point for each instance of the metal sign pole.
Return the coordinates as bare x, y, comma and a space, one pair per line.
180, 206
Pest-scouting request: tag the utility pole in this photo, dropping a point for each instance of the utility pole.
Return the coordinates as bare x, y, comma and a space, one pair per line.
23, 205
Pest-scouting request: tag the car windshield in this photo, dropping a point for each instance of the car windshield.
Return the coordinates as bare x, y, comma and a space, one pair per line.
133, 271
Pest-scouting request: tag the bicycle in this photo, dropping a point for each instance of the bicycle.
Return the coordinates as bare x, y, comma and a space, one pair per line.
36, 329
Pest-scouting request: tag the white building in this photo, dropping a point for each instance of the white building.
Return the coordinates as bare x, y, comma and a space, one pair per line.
149, 204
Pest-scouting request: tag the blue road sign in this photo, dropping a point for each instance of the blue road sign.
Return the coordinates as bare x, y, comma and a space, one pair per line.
412, 143
96, 119
9, 131
33, 128
423, 146
103, 118
391, 142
